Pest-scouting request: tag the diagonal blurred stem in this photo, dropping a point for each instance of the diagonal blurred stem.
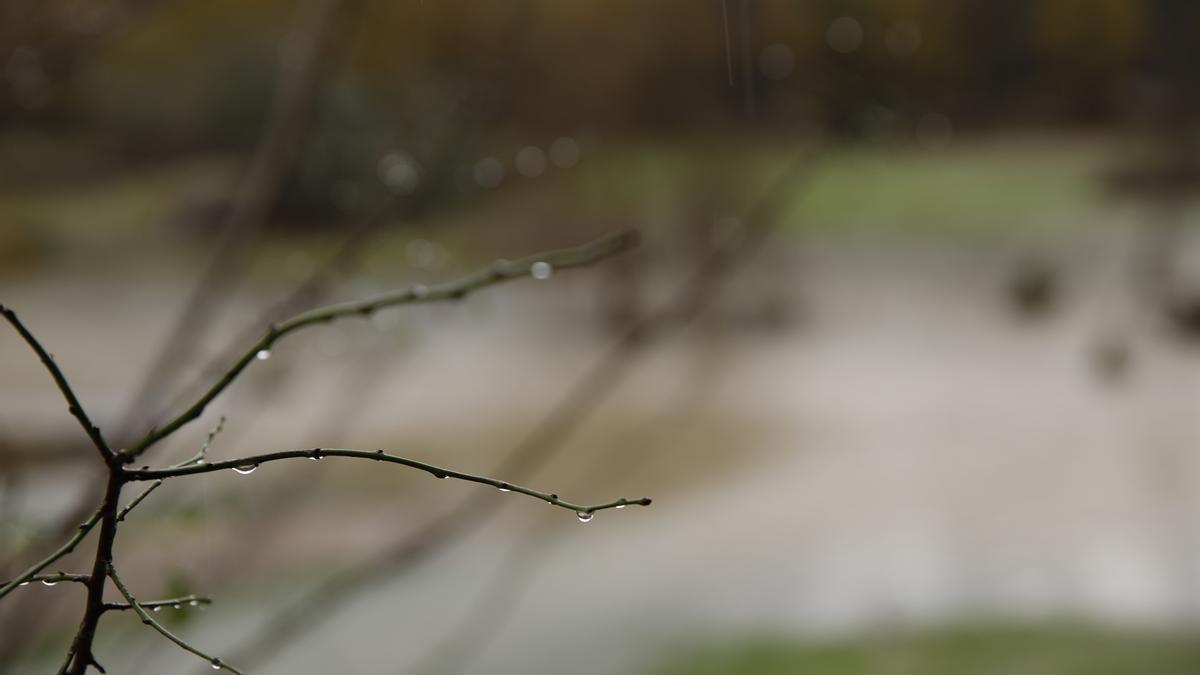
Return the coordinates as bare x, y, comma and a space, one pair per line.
328, 26
318, 33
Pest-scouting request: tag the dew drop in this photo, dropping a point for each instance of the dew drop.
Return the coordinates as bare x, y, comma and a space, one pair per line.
216, 664
23, 583
620, 506
158, 609
263, 354
541, 270
194, 603
176, 606
245, 470
47, 582
585, 516
420, 291
505, 488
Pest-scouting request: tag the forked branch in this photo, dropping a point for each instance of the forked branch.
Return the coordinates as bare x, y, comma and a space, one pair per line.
109, 514
215, 662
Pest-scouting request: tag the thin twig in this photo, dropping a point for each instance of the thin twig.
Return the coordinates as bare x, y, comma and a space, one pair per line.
138, 500
498, 272
194, 459
66, 548
149, 621
51, 579
73, 404
67, 664
247, 464
190, 600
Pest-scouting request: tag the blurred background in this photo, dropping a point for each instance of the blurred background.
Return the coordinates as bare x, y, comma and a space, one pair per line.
907, 357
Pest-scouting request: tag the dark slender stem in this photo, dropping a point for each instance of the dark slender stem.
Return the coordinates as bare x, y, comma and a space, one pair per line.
73, 404
251, 463
498, 272
51, 579
149, 621
189, 600
66, 548
82, 644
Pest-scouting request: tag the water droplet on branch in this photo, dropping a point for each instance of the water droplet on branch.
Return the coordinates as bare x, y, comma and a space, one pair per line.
585, 516
245, 470
541, 270
47, 582
263, 354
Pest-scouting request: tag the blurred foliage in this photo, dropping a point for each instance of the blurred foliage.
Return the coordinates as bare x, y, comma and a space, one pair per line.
444, 84
987, 650
200, 70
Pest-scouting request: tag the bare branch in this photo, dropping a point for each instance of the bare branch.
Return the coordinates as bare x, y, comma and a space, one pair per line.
548, 436
177, 603
66, 548
500, 271
149, 621
51, 579
73, 404
248, 464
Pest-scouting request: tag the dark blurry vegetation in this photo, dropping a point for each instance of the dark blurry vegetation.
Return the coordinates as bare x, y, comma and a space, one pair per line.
444, 81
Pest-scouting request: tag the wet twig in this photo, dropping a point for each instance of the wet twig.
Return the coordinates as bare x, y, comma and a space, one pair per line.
550, 433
